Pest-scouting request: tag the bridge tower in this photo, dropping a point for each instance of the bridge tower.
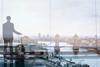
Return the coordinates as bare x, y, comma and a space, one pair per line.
76, 44
57, 48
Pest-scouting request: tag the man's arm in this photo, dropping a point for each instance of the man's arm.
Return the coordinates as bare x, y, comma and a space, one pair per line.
16, 31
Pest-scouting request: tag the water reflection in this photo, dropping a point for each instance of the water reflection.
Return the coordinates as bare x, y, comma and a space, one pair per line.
43, 56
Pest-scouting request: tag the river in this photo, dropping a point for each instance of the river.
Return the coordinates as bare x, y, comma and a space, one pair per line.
91, 59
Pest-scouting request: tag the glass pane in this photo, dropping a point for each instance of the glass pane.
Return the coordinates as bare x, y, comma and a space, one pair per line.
55, 33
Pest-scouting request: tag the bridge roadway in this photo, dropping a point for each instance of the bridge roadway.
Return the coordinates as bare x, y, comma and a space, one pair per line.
67, 54
88, 55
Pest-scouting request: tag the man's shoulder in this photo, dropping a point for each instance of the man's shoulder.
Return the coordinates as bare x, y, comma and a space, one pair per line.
11, 23
8, 23
4, 24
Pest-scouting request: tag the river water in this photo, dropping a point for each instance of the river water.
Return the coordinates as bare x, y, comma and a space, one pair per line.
91, 59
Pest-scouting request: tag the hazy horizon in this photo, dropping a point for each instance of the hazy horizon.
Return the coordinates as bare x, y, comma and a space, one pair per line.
50, 17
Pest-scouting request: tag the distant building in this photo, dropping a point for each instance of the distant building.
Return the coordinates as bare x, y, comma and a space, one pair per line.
1, 40
26, 40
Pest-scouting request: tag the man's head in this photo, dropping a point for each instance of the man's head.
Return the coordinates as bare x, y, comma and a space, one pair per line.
8, 18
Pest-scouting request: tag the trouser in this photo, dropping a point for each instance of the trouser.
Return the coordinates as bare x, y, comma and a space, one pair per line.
10, 54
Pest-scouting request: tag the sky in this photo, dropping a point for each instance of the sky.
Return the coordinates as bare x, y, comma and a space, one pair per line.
50, 17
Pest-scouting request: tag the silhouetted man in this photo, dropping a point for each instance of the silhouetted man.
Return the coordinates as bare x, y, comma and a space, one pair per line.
8, 29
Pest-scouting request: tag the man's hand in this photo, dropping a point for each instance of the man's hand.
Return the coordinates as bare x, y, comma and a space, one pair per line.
20, 33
